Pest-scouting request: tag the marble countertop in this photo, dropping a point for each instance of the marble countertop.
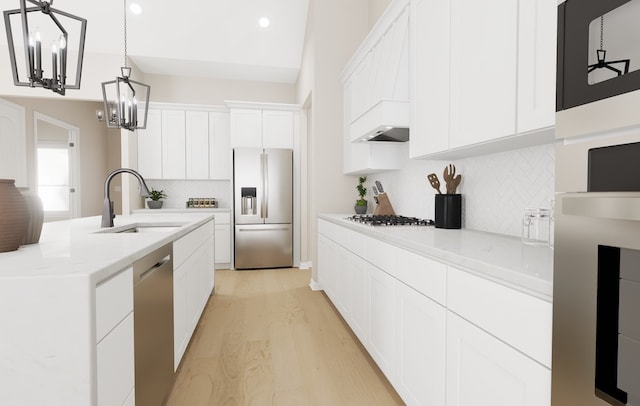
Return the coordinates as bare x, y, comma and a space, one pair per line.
504, 259
80, 247
184, 210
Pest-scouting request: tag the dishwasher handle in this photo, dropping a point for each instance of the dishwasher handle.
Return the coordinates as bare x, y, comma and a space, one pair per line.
140, 275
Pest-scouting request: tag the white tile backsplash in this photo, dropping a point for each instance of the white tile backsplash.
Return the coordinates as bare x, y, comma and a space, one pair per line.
179, 191
496, 188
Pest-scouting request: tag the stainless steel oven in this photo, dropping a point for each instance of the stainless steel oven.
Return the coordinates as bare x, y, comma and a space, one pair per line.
596, 301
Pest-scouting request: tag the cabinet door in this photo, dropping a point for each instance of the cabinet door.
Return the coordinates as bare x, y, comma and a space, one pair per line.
245, 126
219, 146
115, 364
197, 144
536, 64
173, 144
150, 146
484, 371
483, 68
421, 332
277, 129
359, 298
382, 320
430, 95
223, 244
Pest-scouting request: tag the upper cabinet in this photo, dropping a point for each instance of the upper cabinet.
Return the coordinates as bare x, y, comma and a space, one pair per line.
487, 83
185, 142
263, 126
375, 86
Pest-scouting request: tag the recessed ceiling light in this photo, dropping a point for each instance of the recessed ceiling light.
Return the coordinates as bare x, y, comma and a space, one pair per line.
264, 22
135, 8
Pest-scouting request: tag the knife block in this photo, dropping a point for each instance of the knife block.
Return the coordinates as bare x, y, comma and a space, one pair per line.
384, 207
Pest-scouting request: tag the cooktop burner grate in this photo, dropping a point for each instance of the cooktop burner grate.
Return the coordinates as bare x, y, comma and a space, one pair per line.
374, 220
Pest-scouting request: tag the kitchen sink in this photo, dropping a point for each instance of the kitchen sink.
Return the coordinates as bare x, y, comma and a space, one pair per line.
143, 228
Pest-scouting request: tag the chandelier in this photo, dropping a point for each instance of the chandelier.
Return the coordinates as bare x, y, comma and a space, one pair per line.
124, 96
50, 32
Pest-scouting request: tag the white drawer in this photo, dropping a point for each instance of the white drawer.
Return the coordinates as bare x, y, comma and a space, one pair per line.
327, 229
187, 245
521, 320
222, 218
114, 301
380, 254
353, 241
423, 274
115, 372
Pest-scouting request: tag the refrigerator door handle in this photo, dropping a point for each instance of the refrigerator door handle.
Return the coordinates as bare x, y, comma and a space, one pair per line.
265, 185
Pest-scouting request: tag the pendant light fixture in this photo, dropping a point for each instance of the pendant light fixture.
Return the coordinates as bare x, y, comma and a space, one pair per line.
50, 34
124, 96
601, 57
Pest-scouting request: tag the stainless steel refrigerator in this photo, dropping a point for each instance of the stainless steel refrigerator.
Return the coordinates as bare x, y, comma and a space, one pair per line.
263, 206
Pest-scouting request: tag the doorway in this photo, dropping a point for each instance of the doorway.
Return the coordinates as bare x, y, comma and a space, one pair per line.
57, 167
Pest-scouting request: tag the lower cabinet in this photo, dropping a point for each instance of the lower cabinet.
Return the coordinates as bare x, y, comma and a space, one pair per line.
193, 282
114, 340
484, 371
403, 311
421, 340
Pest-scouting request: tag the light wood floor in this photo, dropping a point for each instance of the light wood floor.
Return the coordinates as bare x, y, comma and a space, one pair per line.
266, 338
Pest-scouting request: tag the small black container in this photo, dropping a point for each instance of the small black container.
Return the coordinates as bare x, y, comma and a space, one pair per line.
448, 211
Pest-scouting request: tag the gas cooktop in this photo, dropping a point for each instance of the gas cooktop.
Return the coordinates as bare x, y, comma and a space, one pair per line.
375, 220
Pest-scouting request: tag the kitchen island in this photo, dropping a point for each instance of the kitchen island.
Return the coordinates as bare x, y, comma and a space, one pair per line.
451, 317
66, 305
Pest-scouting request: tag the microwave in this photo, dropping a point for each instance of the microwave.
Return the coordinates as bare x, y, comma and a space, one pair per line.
598, 51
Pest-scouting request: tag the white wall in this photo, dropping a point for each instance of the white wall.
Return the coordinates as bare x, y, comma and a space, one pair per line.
93, 144
376, 8
195, 90
337, 28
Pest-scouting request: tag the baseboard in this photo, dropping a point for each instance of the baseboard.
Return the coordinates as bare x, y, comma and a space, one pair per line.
305, 265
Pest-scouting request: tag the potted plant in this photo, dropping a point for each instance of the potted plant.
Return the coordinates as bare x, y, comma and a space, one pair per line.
361, 203
156, 197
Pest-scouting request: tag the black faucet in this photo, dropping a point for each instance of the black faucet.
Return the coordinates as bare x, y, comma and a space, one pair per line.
107, 207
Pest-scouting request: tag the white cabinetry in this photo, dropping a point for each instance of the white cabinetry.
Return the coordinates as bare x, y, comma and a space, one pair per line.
173, 144
193, 282
439, 334
219, 146
185, 142
492, 82
262, 127
223, 240
484, 371
375, 94
197, 144
245, 127
114, 339
150, 146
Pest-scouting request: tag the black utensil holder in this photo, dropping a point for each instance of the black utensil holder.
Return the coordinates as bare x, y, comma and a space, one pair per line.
448, 211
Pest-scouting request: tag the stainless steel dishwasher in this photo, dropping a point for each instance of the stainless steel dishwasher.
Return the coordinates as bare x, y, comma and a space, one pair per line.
153, 326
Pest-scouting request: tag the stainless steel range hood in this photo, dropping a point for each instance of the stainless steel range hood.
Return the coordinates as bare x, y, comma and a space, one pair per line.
387, 120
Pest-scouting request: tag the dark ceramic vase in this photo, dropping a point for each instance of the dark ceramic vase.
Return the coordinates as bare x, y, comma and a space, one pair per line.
13, 216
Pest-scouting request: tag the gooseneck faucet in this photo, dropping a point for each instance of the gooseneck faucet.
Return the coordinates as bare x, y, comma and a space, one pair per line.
107, 207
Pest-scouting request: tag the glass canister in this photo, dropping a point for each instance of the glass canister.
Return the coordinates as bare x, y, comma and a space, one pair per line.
535, 226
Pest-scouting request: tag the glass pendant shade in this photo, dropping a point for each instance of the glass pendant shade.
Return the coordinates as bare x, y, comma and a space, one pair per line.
46, 46
126, 102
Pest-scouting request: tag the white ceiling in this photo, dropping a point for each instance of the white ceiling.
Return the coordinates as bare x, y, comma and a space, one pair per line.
211, 38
